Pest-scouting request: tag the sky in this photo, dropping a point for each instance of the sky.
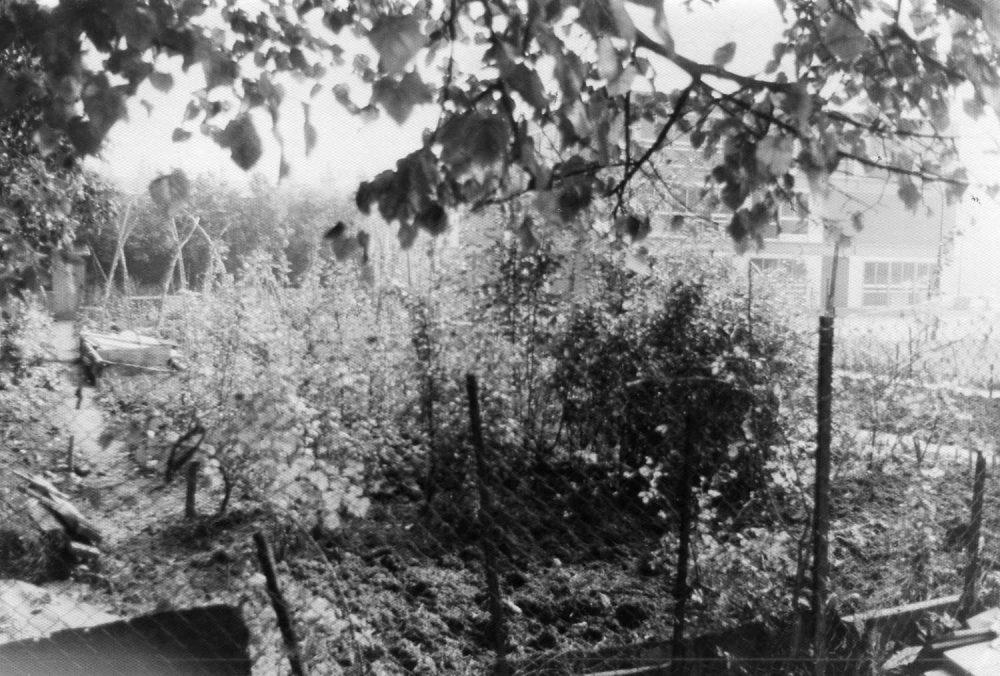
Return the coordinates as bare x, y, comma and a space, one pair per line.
349, 150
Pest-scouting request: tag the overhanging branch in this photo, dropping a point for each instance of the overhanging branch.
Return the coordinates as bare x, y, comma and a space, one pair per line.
675, 114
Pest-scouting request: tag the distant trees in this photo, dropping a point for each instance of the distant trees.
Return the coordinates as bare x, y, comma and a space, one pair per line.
225, 226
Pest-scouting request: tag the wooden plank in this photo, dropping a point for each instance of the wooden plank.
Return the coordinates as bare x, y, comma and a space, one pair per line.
129, 348
976, 660
29, 612
654, 670
907, 609
985, 619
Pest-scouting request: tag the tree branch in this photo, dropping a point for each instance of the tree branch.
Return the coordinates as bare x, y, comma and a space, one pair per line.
698, 70
916, 173
675, 114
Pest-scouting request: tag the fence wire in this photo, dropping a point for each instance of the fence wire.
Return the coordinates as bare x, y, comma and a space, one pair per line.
430, 530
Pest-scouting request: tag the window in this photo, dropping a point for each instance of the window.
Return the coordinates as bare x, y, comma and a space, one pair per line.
890, 283
791, 221
791, 271
693, 201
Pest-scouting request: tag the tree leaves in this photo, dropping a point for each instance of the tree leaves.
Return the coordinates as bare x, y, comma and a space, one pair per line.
244, 144
164, 82
526, 82
828, 94
405, 194
343, 245
844, 38
909, 193
398, 97
169, 191
775, 154
607, 17
17, 90
724, 54
473, 143
138, 26
609, 64
103, 104
397, 40
433, 218
634, 227
308, 130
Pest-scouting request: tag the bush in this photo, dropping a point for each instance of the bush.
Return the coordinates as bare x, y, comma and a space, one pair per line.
271, 392
657, 364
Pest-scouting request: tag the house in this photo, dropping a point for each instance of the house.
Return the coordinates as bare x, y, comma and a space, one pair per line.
897, 257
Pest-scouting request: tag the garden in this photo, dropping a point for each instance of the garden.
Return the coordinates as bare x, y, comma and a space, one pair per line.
503, 406
643, 458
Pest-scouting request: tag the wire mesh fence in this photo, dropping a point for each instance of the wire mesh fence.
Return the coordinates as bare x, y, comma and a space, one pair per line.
382, 483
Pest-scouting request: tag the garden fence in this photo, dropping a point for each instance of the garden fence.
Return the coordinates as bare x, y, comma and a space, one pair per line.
470, 561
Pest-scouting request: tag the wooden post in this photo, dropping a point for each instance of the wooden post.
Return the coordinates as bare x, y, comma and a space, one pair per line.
968, 602
190, 510
69, 454
821, 500
280, 605
487, 526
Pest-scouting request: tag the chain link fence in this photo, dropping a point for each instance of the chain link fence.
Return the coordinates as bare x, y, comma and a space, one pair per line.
385, 482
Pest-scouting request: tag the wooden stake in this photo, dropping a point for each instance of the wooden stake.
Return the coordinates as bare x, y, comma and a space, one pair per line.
968, 602
190, 510
280, 605
487, 526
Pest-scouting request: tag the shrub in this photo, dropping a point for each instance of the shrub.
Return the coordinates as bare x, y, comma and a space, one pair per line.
671, 360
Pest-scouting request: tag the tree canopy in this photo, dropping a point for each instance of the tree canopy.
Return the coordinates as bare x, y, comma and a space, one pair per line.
541, 101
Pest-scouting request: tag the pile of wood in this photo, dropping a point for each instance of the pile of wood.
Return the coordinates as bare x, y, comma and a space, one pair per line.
127, 352
59, 520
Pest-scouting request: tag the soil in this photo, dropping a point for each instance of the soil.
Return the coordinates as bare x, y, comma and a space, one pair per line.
404, 590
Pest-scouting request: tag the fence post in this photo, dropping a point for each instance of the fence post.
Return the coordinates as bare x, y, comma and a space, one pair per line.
821, 502
487, 529
968, 601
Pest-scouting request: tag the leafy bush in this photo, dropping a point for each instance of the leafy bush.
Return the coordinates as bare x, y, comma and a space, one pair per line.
25, 327
267, 384
656, 364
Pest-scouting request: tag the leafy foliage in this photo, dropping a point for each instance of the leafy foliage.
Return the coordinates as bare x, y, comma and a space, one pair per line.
505, 133
45, 197
635, 365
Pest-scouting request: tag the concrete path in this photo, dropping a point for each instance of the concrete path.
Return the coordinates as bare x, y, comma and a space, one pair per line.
78, 413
